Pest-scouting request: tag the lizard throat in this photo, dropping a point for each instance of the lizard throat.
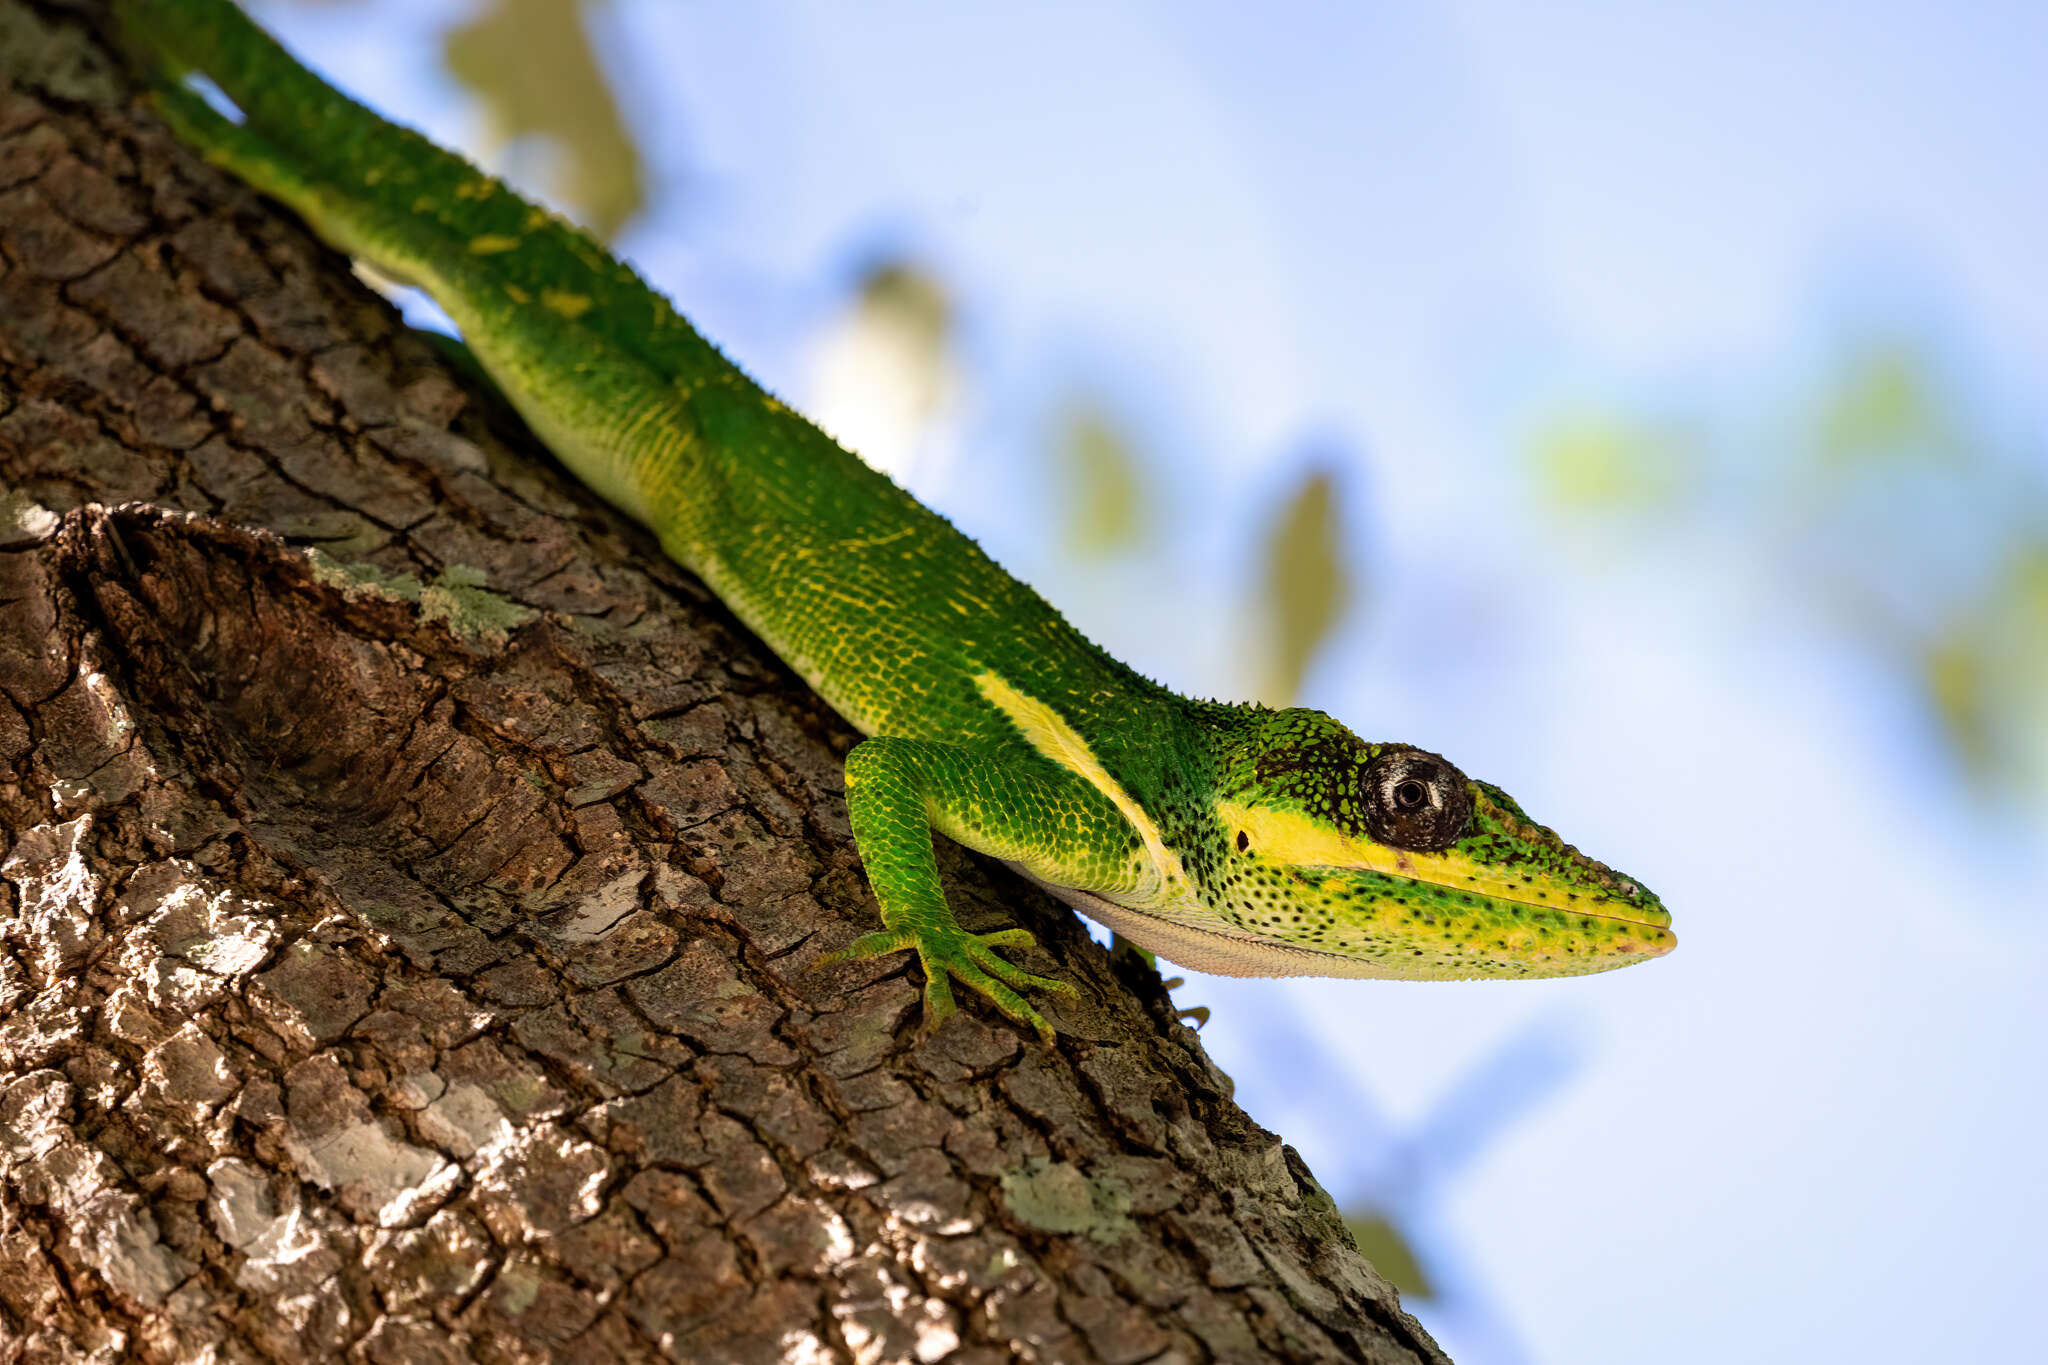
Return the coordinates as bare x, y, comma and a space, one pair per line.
1200, 948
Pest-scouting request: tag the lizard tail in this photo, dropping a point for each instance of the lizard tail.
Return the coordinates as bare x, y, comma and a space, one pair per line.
389, 195
526, 287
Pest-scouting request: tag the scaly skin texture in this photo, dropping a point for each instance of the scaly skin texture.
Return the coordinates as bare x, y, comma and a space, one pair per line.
1231, 839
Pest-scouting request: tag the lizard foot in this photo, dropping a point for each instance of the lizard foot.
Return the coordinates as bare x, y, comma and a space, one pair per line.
951, 953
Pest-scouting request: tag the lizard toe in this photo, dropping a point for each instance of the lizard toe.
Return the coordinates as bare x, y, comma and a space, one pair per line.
869, 946
1011, 974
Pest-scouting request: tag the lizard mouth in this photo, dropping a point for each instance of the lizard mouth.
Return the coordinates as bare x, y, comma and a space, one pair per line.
1653, 919
1655, 941
1229, 950
1658, 920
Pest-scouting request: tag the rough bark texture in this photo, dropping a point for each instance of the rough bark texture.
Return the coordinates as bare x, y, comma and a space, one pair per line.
412, 888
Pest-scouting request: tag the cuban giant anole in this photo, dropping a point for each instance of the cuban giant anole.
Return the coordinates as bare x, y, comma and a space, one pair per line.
1228, 838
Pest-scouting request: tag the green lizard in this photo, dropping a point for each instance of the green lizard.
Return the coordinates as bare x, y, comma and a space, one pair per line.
1230, 839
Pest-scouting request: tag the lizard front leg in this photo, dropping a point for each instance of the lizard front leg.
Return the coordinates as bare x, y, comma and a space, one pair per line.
1009, 803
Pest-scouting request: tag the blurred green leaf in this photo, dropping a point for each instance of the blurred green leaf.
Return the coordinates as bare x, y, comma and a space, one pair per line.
910, 300
1106, 478
1884, 504
1306, 583
1380, 1242
1883, 408
1594, 462
532, 65
2027, 674
1953, 669
1986, 674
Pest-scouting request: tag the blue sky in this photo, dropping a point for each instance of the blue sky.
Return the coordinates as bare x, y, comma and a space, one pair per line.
1411, 227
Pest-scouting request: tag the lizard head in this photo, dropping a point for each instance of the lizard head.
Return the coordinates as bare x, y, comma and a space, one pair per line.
1396, 864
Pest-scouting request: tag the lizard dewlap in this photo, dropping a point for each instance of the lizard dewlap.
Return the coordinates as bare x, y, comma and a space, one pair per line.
1230, 839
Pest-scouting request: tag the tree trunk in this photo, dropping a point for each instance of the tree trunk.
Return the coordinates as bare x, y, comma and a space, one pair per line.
415, 887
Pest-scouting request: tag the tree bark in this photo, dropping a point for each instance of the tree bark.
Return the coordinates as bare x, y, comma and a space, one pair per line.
413, 888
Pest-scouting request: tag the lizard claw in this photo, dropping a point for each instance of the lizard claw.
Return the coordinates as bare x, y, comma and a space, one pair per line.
952, 954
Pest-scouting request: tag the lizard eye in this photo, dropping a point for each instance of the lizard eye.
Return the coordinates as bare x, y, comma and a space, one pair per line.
1415, 800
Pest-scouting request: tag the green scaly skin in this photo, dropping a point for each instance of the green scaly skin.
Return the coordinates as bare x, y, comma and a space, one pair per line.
1231, 839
